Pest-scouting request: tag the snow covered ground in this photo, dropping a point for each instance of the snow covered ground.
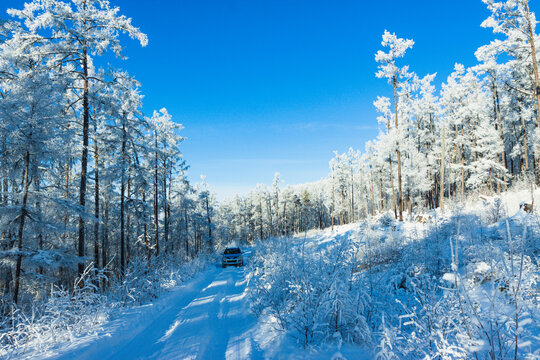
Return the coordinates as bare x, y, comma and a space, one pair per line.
357, 291
205, 318
463, 285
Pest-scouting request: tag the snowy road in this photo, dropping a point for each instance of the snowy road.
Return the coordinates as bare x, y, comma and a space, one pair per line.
207, 318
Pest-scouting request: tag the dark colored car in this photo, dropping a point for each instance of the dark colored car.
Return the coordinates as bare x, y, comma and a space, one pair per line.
232, 256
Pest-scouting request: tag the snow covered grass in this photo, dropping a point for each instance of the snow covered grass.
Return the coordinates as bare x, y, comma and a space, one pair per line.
66, 316
465, 285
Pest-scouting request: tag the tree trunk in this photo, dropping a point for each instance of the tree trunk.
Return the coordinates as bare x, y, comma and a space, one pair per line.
531, 36
534, 61
105, 238
5, 174
21, 228
128, 220
392, 175
499, 122
277, 212
165, 205
352, 194
372, 196
145, 232
441, 192
209, 220
66, 194
38, 208
461, 159
269, 209
261, 219
187, 230
400, 193
333, 199
381, 191
169, 202
156, 210
284, 212
122, 201
96, 201
84, 161
525, 145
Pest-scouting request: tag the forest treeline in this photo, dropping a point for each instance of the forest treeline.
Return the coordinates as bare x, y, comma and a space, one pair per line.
86, 178
477, 134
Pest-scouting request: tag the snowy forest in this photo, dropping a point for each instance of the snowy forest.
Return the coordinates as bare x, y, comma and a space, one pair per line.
410, 248
478, 134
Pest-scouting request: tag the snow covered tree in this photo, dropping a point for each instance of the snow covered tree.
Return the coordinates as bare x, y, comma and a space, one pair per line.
396, 76
82, 29
486, 170
165, 148
275, 190
31, 119
517, 24
207, 204
341, 169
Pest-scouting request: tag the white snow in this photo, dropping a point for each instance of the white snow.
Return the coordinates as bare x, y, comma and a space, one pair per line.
206, 318
209, 316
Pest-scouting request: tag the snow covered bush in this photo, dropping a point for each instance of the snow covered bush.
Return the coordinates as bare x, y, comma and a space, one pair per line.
145, 280
477, 298
463, 286
64, 316
68, 314
311, 292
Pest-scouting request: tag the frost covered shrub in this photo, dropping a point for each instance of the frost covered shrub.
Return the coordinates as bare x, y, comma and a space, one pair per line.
387, 220
140, 284
64, 316
499, 298
429, 323
270, 290
460, 288
144, 281
388, 337
484, 304
495, 211
68, 314
346, 305
311, 293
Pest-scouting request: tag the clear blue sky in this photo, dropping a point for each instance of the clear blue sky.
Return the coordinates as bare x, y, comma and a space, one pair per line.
276, 86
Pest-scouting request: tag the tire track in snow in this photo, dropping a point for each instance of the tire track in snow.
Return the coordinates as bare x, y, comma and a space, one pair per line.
207, 318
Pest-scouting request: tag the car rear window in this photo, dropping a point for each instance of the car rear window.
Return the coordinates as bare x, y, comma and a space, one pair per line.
232, 251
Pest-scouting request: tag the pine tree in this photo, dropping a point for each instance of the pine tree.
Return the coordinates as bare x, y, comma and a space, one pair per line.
395, 75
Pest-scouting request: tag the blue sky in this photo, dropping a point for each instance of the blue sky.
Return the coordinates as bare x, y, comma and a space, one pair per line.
277, 86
